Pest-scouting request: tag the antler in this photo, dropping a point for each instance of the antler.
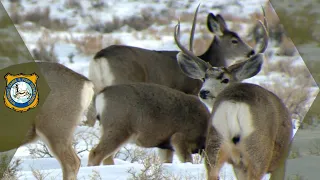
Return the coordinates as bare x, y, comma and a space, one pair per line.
182, 48
193, 28
266, 33
258, 58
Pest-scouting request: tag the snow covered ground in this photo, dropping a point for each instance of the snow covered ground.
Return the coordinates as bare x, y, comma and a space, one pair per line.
50, 168
70, 43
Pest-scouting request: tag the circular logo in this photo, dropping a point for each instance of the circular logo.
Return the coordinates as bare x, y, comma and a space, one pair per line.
21, 92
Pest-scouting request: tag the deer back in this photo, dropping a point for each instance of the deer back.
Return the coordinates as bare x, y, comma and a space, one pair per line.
144, 107
125, 64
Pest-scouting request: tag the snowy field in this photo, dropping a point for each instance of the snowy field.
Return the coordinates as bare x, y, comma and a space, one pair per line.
76, 45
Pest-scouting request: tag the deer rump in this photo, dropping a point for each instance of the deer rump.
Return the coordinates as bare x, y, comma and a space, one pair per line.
111, 66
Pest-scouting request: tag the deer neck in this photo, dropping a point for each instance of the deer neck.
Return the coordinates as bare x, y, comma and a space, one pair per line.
213, 55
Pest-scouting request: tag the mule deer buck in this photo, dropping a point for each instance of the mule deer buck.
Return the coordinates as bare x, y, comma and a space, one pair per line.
118, 64
250, 127
149, 115
59, 115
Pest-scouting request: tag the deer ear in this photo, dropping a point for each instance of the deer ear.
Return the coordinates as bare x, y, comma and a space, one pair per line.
216, 24
190, 67
248, 68
222, 22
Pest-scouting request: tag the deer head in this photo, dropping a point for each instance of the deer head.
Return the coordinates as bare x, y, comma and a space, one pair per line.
226, 47
215, 79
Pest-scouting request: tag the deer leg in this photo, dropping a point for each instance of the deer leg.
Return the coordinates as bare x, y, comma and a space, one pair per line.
240, 173
248, 169
62, 149
280, 155
91, 114
279, 171
109, 144
109, 160
257, 156
180, 146
214, 154
215, 161
166, 155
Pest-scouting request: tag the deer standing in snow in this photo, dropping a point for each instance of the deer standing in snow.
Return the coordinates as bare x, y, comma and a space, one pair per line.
69, 97
250, 127
150, 116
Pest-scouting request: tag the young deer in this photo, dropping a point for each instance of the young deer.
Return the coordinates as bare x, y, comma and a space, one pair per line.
59, 115
119, 64
149, 115
250, 127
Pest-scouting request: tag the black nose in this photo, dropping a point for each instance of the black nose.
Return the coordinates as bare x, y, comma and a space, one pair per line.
251, 53
204, 94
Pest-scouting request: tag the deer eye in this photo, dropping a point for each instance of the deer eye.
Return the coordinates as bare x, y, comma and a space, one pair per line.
225, 81
234, 41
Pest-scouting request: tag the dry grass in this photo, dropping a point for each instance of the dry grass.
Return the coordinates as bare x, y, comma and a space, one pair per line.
165, 17
132, 155
272, 18
108, 26
91, 44
236, 19
44, 50
294, 153
95, 175
296, 177
153, 170
39, 16
315, 147
276, 31
287, 48
200, 45
201, 42
9, 170
197, 159
295, 98
43, 53
39, 175
296, 95
141, 21
41, 150
72, 4
138, 22
88, 44
188, 17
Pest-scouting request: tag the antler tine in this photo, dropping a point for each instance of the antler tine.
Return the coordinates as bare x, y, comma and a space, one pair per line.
185, 50
264, 18
194, 23
265, 31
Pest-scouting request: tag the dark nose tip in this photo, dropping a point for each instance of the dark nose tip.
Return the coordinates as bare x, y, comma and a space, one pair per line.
251, 53
204, 94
